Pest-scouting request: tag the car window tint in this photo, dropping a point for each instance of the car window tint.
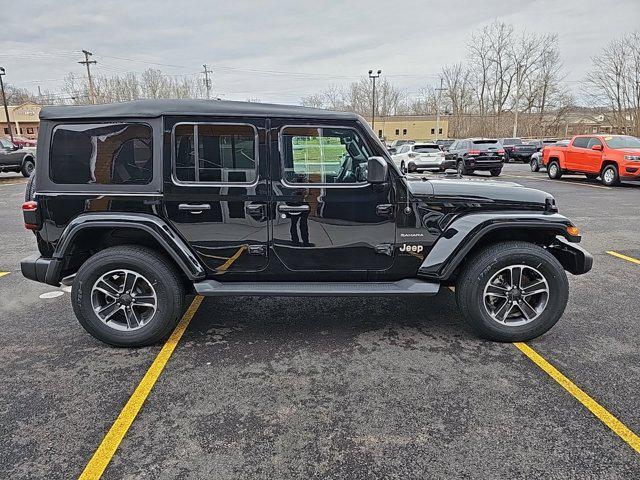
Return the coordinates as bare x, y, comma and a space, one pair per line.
103, 154
581, 142
324, 155
593, 141
225, 153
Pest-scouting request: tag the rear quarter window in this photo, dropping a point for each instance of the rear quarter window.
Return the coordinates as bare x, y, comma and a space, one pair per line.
101, 154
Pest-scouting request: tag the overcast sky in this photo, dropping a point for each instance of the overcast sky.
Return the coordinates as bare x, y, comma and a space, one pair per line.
279, 51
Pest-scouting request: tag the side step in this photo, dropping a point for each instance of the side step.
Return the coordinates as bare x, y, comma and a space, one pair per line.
409, 286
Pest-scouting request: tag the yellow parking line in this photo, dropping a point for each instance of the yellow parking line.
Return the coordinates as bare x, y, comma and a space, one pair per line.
225, 266
118, 430
594, 407
2, 274
623, 257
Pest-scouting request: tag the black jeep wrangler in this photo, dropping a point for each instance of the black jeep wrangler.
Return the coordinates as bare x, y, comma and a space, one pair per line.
137, 204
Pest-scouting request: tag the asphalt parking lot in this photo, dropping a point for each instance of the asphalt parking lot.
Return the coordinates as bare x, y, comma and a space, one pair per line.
333, 387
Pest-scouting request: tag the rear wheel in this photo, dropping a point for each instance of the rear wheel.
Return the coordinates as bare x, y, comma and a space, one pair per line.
29, 192
461, 169
534, 165
403, 167
553, 170
128, 296
28, 166
610, 176
495, 172
512, 291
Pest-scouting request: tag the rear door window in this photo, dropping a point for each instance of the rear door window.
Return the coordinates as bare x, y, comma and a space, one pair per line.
581, 142
102, 154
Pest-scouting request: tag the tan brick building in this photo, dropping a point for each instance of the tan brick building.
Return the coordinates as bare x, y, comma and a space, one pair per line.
25, 120
410, 127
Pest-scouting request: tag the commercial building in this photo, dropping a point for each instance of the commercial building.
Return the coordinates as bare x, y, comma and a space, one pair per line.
25, 120
410, 127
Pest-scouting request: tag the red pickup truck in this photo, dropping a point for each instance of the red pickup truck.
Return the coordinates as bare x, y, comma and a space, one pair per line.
610, 157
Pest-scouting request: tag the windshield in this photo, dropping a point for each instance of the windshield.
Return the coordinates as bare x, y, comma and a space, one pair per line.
426, 148
623, 141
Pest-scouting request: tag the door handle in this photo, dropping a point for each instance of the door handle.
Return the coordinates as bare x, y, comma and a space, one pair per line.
196, 209
385, 210
293, 208
256, 211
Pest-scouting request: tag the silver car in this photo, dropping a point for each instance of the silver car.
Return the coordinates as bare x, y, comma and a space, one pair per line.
420, 156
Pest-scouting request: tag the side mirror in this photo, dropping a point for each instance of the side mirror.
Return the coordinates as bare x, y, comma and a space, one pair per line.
16, 147
377, 170
392, 150
597, 147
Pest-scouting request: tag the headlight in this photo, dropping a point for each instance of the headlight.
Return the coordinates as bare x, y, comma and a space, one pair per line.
632, 158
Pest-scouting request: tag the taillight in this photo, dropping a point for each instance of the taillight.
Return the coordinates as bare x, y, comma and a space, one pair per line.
30, 214
501, 152
474, 152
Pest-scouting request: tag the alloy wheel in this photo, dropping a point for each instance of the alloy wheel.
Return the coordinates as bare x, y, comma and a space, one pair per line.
516, 295
124, 300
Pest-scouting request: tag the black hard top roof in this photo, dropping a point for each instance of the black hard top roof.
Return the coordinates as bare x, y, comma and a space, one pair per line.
157, 108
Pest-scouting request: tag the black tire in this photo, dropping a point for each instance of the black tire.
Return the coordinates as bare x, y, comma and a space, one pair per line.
461, 169
495, 172
480, 269
610, 176
155, 268
553, 170
403, 168
534, 165
28, 167
591, 176
412, 168
29, 192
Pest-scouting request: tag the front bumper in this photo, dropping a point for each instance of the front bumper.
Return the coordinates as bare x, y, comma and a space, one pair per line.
40, 269
573, 257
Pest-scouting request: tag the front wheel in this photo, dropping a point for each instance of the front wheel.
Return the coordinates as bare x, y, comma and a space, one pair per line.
128, 296
495, 172
460, 168
403, 168
512, 291
610, 176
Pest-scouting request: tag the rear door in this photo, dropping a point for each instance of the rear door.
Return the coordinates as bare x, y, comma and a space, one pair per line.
575, 155
328, 218
216, 190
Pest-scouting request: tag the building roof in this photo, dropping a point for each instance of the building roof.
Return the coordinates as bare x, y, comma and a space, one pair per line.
157, 108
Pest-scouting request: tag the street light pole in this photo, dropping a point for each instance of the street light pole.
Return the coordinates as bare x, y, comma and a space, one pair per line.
4, 101
373, 77
438, 109
515, 120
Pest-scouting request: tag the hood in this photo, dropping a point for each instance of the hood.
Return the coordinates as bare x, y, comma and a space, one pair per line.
478, 189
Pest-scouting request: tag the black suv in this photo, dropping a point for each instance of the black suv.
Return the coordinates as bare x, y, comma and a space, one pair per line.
16, 159
517, 150
137, 204
473, 154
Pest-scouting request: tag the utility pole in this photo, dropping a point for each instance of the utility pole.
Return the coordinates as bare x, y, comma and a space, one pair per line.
515, 120
440, 90
87, 62
373, 77
4, 101
207, 81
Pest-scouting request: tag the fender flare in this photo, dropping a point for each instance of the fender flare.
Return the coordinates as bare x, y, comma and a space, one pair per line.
28, 156
168, 239
465, 232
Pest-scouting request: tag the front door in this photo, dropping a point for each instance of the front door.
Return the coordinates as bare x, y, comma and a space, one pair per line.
327, 217
216, 191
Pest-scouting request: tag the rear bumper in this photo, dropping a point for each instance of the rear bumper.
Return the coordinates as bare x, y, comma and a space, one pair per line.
573, 258
40, 269
484, 164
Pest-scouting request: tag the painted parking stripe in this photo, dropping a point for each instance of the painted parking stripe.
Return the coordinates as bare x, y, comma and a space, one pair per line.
624, 257
2, 274
557, 181
594, 407
102, 456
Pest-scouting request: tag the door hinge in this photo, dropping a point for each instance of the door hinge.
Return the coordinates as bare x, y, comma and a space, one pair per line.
257, 250
385, 210
385, 249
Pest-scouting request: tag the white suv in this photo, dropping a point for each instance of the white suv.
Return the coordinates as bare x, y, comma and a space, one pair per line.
420, 156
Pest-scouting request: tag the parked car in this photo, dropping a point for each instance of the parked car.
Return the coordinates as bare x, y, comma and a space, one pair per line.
14, 158
536, 159
244, 199
610, 157
445, 143
540, 144
477, 154
516, 150
416, 157
23, 141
